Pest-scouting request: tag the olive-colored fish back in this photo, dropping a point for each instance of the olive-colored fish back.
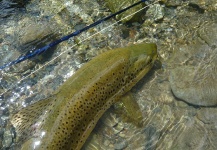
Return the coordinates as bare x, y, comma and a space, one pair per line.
89, 102
68, 119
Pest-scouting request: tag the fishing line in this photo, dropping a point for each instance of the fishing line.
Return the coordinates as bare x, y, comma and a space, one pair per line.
65, 38
2, 67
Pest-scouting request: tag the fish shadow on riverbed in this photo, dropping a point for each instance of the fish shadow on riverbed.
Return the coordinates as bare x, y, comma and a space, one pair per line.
29, 47
149, 76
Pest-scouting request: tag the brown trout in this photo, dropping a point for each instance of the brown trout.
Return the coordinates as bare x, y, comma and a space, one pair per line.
65, 120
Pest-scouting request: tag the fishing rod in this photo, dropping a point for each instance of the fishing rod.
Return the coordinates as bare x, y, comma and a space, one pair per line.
54, 43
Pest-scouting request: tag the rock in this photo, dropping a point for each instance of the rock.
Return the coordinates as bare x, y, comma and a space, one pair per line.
33, 32
209, 118
194, 86
207, 115
11, 7
109, 119
193, 137
205, 4
172, 3
155, 12
206, 33
195, 83
116, 5
120, 145
7, 141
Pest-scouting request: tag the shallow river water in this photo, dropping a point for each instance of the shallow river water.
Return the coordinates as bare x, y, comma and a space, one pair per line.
177, 98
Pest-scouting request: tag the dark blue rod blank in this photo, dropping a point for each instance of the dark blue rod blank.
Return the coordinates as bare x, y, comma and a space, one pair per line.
52, 44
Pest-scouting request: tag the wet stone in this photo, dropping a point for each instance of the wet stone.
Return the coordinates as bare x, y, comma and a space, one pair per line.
120, 145
206, 33
173, 2
207, 115
8, 138
193, 137
33, 31
109, 120
192, 89
118, 128
155, 12
205, 4
116, 5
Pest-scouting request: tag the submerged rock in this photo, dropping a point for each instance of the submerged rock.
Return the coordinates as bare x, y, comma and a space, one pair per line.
206, 33
197, 87
196, 81
9, 7
120, 145
155, 12
207, 115
116, 5
193, 137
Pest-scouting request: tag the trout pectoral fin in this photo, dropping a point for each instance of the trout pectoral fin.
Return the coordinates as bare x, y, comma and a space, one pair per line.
30, 144
26, 120
129, 110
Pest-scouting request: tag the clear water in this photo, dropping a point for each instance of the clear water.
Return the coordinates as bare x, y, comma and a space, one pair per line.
184, 36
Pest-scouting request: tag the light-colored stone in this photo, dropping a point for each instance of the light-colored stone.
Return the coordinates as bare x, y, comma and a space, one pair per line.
188, 88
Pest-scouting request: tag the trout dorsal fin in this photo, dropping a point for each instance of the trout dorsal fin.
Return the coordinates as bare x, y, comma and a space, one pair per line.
26, 121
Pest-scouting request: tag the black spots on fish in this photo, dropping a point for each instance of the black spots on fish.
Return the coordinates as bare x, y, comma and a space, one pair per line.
62, 137
132, 76
25, 121
80, 116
